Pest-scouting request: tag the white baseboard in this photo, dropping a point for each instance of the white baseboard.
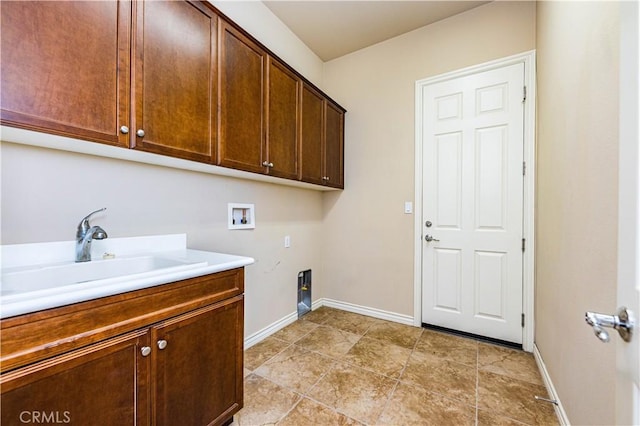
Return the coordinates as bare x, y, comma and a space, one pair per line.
371, 312
345, 306
269, 330
560, 413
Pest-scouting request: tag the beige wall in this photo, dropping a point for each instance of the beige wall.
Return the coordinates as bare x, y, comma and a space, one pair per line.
577, 47
368, 250
45, 193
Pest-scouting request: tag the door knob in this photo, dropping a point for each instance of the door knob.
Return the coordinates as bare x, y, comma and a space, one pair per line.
622, 321
429, 238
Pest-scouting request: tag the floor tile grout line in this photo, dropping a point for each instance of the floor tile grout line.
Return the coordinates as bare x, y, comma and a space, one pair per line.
396, 381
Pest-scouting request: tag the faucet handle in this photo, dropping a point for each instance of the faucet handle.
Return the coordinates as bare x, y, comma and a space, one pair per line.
84, 226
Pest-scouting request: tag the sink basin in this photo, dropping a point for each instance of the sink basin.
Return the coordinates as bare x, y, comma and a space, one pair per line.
28, 279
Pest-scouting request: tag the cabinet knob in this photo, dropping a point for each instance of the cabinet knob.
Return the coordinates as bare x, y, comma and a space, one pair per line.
162, 344
267, 164
124, 130
325, 177
145, 350
140, 133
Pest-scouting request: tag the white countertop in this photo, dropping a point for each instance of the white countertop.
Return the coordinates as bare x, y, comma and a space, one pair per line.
39, 256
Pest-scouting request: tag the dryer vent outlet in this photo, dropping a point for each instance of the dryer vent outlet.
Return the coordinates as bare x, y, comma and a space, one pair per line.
304, 292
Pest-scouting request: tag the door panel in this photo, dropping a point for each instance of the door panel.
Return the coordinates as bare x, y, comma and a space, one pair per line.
334, 146
473, 195
103, 384
242, 68
199, 368
283, 113
175, 85
72, 83
312, 136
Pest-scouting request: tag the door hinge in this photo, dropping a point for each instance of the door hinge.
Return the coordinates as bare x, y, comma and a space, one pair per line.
523, 244
522, 320
524, 93
524, 168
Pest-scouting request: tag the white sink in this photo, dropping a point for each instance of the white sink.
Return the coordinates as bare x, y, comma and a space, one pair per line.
42, 277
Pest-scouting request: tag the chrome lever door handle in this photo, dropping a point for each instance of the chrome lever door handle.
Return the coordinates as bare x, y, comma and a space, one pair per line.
429, 238
623, 322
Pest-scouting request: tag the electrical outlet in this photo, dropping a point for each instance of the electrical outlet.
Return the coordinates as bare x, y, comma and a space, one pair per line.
287, 241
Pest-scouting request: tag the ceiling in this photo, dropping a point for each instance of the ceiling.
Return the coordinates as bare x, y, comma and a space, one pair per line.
333, 28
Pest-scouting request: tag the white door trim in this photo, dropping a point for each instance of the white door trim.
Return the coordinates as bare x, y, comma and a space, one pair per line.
529, 60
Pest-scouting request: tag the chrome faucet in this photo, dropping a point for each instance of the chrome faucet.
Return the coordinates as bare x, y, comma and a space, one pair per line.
85, 234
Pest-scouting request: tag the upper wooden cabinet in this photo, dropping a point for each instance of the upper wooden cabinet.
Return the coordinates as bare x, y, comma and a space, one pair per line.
65, 68
283, 121
322, 142
175, 79
242, 76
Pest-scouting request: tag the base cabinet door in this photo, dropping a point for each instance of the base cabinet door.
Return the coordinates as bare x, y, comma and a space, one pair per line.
103, 384
198, 366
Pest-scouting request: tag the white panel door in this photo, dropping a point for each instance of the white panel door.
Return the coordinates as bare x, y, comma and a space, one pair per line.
628, 353
473, 139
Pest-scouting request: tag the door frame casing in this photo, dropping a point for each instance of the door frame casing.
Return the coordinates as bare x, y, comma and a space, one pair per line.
528, 229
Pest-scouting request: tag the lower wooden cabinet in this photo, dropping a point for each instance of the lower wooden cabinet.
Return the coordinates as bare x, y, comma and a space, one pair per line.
185, 369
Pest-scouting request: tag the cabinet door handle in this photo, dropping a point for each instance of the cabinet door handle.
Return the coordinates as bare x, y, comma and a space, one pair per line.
267, 164
124, 130
162, 344
145, 350
140, 133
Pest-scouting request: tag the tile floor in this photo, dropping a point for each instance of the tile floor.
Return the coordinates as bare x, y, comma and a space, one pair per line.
339, 368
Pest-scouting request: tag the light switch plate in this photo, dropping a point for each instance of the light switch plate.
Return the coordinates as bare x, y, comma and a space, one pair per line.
408, 207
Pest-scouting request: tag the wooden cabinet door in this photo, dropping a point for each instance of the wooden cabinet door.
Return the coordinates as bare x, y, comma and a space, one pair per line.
65, 68
175, 79
103, 384
198, 373
334, 146
312, 135
241, 129
282, 123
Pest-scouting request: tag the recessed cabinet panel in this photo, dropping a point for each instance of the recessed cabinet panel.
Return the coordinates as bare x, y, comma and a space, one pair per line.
242, 65
65, 68
334, 146
176, 79
312, 136
282, 128
199, 365
104, 384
